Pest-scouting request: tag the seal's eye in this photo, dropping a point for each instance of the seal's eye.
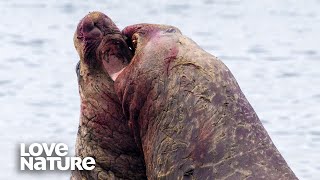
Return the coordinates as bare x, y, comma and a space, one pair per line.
170, 30
78, 70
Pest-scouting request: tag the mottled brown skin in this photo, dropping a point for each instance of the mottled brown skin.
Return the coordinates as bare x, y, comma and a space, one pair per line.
103, 131
188, 114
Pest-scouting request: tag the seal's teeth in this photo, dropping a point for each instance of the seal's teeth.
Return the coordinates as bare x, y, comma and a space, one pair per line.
134, 43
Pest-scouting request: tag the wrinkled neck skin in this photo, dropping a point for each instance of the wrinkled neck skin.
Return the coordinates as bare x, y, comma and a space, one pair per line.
189, 115
103, 130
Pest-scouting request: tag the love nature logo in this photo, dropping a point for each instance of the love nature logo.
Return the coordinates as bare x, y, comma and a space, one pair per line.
41, 156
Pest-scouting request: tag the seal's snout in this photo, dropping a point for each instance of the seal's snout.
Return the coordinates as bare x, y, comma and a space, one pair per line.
88, 29
133, 34
94, 26
137, 35
130, 30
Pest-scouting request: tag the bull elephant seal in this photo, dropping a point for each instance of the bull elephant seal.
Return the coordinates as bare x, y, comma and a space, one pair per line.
188, 113
103, 131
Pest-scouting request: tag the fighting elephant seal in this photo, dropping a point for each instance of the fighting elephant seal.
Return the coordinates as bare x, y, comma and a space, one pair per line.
103, 131
188, 114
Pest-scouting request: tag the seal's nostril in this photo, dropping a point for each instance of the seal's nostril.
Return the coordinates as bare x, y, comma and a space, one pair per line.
87, 24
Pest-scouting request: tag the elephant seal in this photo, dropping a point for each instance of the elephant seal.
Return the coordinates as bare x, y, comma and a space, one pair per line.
103, 131
189, 115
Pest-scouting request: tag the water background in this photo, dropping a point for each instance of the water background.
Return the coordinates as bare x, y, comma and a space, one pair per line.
272, 48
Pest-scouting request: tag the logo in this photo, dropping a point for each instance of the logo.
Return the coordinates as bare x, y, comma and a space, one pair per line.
51, 157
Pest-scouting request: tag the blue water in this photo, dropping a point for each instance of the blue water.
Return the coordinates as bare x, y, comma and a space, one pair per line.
272, 48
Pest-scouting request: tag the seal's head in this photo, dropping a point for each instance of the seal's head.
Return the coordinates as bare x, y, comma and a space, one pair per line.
152, 45
99, 42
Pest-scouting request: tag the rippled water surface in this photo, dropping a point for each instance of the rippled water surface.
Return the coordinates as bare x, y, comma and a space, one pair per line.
272, 48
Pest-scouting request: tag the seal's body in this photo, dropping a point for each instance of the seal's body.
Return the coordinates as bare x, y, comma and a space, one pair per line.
188, 114
103, 131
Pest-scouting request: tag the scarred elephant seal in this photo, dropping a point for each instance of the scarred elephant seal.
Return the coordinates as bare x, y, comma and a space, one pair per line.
189, 115
103, 131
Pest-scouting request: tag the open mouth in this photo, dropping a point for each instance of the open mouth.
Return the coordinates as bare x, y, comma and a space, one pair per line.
132, 33
132, 43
